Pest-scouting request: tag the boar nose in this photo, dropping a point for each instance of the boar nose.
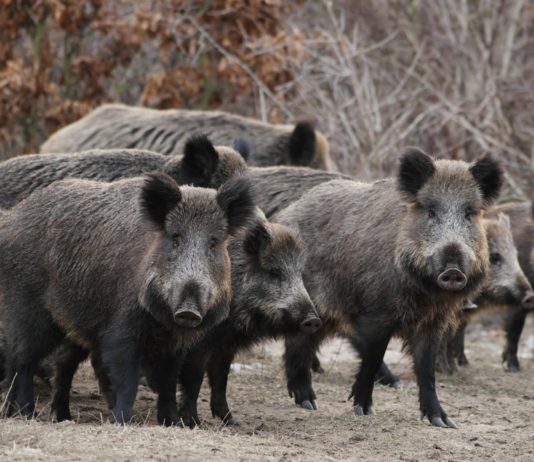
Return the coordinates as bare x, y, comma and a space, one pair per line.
528, 301
310, 324
187, 316
452, 279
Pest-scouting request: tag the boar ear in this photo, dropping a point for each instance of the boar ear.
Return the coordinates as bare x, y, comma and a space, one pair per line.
242, 146
489, 176
415, 168
236, 198
505, 220
200, 160
302, 144
160, 194
257, 238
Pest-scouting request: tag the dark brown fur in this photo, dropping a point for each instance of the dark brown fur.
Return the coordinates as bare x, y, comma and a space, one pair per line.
269, 300
373, 261
109, 268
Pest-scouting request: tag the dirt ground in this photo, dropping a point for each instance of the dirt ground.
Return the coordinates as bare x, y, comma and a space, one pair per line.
493, 409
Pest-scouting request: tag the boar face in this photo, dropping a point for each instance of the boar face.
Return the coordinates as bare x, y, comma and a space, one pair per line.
443, 243
273, 286
505, 283
187, 268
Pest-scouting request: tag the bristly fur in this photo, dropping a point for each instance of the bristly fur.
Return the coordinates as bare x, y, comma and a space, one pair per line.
489, 175
302, 144
166, 132
159, 195
200, 156
415, 168
236, 197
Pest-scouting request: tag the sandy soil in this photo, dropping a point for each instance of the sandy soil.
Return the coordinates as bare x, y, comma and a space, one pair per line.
493, 409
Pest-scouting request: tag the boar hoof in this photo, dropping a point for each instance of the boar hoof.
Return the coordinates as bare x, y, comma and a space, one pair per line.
396, 385
310, 405
359, 410
438, 422
513, 368
462, 360
318, 369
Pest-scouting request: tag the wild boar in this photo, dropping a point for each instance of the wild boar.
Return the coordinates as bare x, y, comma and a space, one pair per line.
395, 257
133, 271
269, 301
165, 131
202, 165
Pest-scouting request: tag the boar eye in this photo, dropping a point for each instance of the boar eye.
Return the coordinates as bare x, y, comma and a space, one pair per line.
495, 258
213, 243
469, 212
431, 213
176, 238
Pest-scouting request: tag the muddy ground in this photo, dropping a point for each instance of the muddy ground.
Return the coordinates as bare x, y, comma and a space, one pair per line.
493, 409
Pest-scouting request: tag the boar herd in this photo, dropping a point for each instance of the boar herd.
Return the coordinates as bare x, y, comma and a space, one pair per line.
160, 243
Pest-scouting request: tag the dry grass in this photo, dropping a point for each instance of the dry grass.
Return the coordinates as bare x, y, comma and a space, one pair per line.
492, 408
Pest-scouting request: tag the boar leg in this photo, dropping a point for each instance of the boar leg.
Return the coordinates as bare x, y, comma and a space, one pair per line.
458, 345
104, 385
120, 360
298, 359
162, 374
191, 375
67, 362
515, 321
25, 351
423, 348
371, 349
444, 356
218, 370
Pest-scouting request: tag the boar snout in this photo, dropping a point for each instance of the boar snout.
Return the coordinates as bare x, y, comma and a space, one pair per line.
452, 279
528, 301
188, 315
311, 324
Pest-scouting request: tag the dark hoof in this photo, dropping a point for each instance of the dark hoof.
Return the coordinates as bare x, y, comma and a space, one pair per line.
513, 368
310, 405
62, 416
318, 369
438, 422
463, 362
359, 410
